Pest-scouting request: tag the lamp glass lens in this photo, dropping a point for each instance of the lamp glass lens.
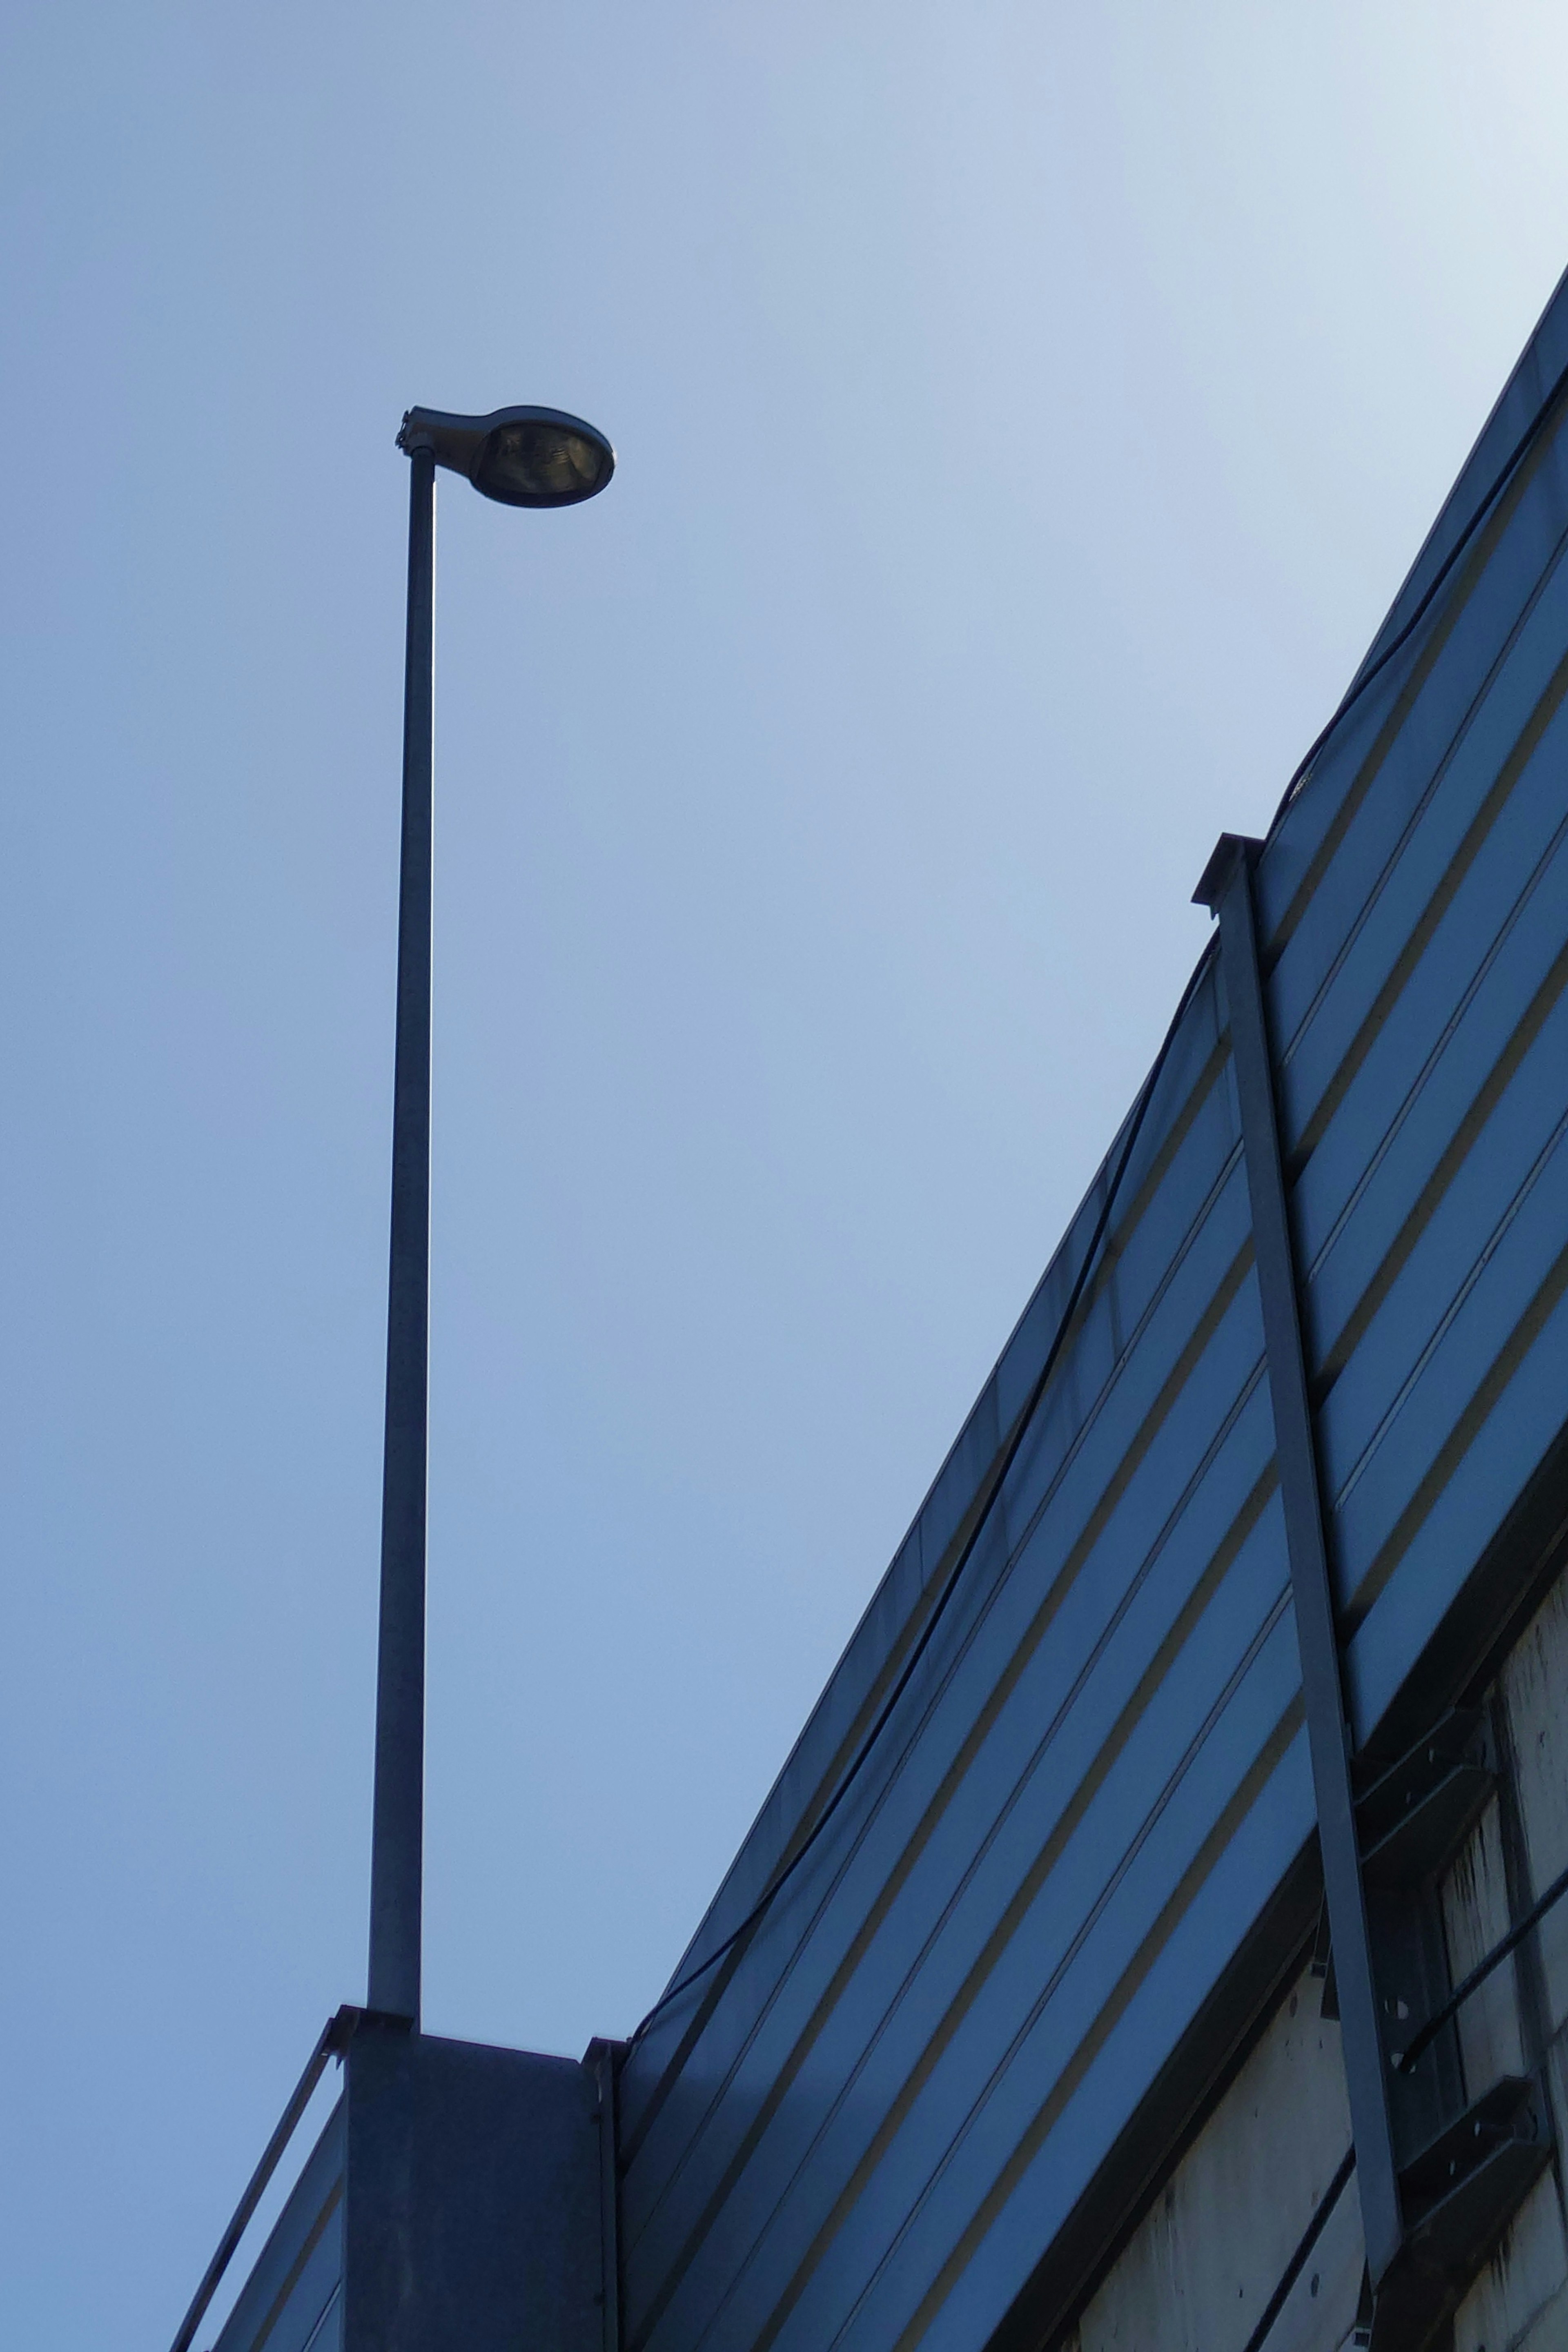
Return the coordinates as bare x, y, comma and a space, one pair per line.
539, 465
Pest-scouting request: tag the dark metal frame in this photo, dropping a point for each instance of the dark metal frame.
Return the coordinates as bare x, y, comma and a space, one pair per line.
1226, 890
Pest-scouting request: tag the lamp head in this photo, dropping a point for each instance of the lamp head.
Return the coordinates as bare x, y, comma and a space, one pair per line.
523, 457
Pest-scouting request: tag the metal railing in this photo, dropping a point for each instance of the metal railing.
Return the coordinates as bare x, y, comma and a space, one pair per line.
333, 2041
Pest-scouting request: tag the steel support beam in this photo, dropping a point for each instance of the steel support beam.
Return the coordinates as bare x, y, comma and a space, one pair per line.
1226, 888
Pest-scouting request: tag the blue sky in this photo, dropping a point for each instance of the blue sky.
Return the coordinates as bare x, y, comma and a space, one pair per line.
1025, 414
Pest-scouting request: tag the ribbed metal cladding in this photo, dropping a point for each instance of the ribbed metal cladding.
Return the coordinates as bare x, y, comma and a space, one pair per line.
899, 2112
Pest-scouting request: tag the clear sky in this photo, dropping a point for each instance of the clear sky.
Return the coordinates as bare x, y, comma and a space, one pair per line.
1026, 414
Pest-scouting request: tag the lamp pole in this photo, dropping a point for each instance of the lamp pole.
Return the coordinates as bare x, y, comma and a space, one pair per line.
521, 457
397, 1831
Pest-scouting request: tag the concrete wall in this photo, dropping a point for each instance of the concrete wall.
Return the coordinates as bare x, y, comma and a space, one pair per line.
1518, 2021
1205, 2259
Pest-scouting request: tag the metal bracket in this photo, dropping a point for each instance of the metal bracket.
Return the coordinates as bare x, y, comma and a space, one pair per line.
1226, 890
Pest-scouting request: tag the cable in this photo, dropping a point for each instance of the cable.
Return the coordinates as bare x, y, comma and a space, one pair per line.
1359, 683
1309, 2238
1559, 1887
1020, 1428
1423, 2041
1003, 1462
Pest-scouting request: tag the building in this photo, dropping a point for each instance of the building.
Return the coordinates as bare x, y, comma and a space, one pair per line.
1152, 1940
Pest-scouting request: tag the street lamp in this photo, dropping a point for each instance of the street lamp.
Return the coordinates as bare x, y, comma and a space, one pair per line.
524, 457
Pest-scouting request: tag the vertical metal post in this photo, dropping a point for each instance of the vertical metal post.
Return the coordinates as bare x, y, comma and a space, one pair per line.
398, 1834
602, 2060
1226, 888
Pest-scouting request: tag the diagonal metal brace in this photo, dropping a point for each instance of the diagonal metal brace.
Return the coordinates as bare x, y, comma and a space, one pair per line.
1226, 891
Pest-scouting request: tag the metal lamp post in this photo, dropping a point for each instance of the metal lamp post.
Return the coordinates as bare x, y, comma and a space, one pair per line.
526, 457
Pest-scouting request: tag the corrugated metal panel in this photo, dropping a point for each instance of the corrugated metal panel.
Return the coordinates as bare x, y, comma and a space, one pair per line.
869, 2121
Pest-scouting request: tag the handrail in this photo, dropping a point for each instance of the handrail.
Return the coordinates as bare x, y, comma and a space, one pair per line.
335, 2039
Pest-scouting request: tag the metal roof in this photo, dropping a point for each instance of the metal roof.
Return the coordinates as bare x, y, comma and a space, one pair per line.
928, 2086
